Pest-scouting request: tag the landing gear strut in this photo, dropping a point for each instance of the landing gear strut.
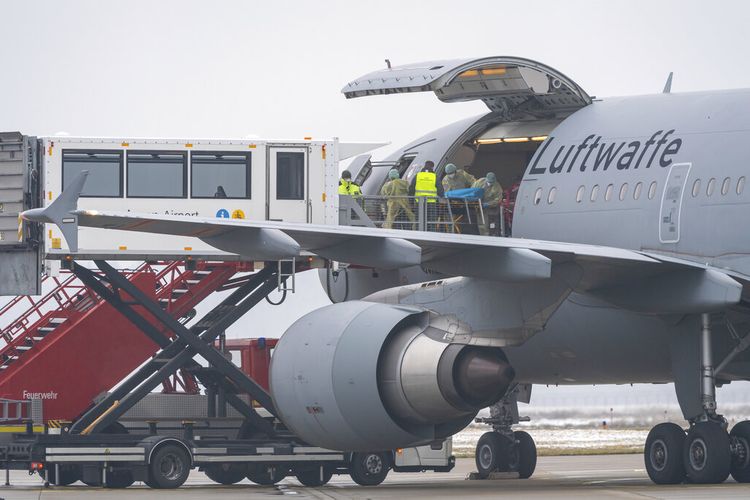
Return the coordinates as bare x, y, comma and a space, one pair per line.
707, 453
502, 449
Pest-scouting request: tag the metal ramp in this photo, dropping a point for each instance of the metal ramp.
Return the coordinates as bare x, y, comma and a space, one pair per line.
70, 345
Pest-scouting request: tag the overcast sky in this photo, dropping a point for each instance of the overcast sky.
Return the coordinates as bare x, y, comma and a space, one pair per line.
275, 69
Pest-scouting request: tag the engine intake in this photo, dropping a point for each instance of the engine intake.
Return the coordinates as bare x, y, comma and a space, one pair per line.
361, 376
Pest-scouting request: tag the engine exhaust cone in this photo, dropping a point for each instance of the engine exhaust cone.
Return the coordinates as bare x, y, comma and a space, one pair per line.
482, 375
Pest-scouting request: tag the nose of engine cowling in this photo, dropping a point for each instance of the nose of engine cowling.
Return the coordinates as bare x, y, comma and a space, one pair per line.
482, 375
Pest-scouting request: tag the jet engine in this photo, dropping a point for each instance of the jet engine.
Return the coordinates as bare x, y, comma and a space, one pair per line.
362, 376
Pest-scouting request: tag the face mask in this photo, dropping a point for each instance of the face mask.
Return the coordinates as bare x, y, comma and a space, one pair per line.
451, 176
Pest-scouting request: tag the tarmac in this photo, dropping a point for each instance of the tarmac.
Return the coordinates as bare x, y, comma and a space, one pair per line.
589, 476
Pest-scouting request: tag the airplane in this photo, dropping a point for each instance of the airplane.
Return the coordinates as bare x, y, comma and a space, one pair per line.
628, 262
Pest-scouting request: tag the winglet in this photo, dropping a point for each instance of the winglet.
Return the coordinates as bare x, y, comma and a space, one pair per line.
61, 212
668, 85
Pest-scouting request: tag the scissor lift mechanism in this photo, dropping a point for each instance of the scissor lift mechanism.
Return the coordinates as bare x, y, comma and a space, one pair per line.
115, 459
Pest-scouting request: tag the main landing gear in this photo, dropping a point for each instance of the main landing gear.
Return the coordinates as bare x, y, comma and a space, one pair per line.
706, 453
502, 449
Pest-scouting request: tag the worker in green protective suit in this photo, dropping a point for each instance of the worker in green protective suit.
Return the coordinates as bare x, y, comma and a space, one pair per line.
396, 192
456, 179
493, 193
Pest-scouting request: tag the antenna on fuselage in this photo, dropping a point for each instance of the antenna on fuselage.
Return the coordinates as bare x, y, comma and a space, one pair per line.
388, 63
668, 85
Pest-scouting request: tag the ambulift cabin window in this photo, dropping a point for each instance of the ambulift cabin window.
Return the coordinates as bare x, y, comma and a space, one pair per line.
157, 174
290, 176
220, 175
104, 167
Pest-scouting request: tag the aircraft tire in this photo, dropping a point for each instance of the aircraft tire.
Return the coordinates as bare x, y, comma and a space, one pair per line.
526, 449
369, 469
663, 454
706, 454
492, 454
740, 437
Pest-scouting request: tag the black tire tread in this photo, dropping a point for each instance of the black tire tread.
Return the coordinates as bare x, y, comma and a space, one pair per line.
360, 475
719, 459
674, 437
741, 474
526, 454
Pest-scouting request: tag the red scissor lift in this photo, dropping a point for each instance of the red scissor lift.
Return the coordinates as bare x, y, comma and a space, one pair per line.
69, 346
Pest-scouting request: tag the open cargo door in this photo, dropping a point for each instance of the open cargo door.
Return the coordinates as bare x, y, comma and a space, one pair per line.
511, 86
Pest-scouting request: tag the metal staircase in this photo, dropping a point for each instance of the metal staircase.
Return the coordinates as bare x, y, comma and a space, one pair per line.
70, 333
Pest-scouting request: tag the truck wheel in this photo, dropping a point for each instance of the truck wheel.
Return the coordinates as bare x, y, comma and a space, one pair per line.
69, 474
119, 479
226, 473
266, 475
369, 469
169, 467
312, 477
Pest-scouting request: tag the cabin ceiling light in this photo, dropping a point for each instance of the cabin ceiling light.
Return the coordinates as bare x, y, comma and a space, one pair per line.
497, 140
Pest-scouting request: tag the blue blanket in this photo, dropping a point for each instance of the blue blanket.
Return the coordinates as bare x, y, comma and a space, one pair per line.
466, 194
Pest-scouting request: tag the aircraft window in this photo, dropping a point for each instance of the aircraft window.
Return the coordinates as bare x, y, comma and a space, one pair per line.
551, 195
105, 171
725, 186
608, 192
220, 175
711, 186
652, 190
290, 176
579, 194
637, 190
594, 192
623, 191
537, 196
157, 174
696, 187
740, 184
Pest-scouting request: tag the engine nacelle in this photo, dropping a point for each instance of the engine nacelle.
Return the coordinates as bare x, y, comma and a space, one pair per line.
362, 376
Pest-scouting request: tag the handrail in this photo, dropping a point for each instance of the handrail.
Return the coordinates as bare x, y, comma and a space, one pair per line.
66, 295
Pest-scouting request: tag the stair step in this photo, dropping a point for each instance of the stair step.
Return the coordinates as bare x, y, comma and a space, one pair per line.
179, 290
201, 273
23, 347
57, 321
192, 282
35, 339
46, 329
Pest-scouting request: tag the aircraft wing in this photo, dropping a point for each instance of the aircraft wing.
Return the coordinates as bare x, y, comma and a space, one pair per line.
624, 277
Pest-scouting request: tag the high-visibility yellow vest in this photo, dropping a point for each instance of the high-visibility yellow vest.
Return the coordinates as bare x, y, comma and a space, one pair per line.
426, 186
349, 188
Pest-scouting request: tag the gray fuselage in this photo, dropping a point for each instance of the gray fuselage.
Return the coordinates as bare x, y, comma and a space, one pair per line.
660, 173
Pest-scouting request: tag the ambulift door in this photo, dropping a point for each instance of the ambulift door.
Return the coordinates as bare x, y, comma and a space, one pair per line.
288, 175
512, 86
